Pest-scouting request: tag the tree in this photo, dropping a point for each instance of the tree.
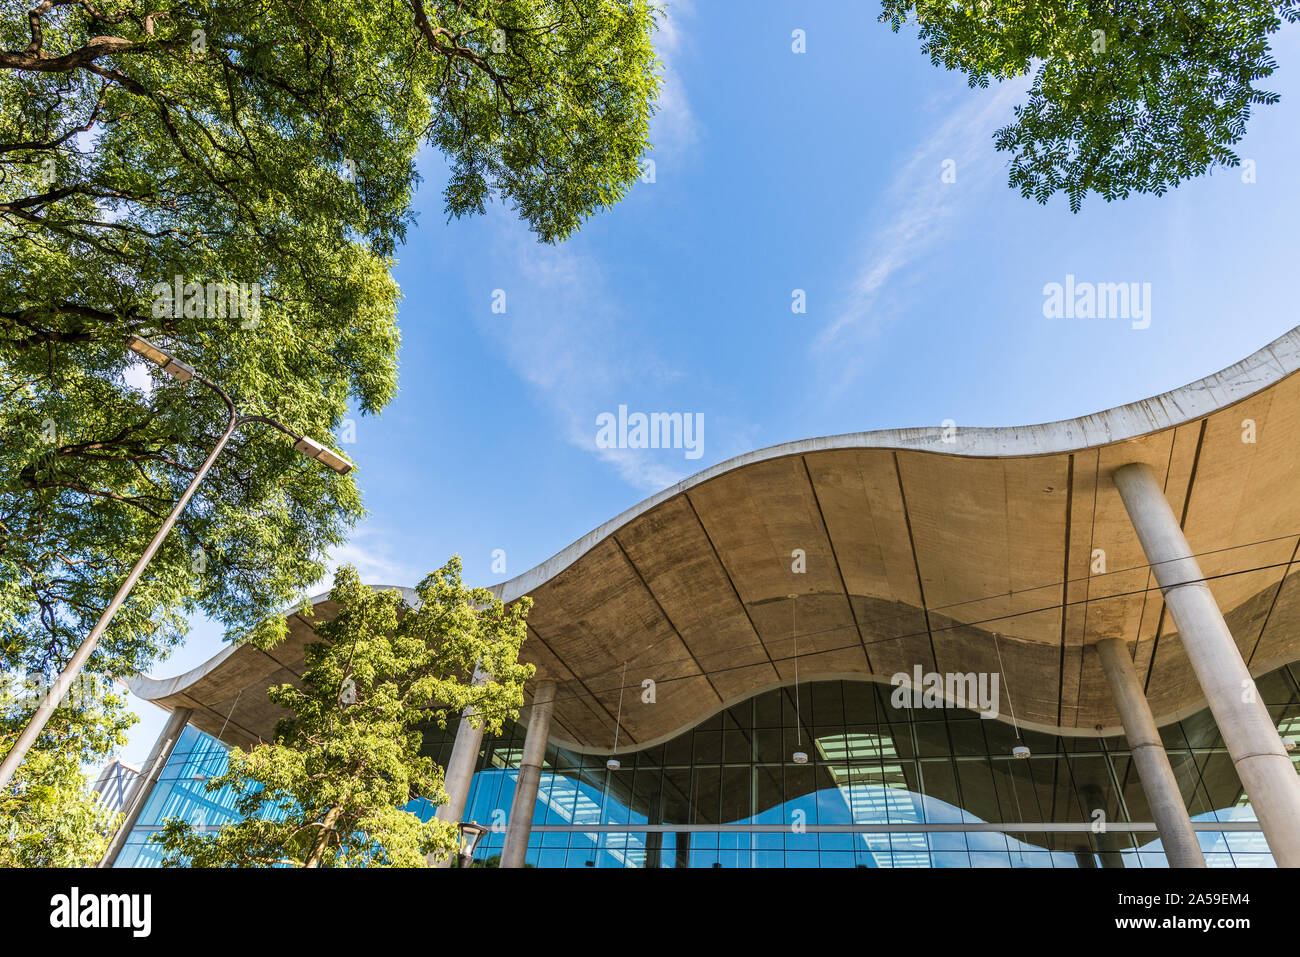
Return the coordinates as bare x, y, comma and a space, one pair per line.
48, 815
1131, 96
330, 790
233, 182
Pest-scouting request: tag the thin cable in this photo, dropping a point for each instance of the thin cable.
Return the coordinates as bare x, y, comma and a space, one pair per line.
759, 642
1015, 795
619, 720
229, 713
1003, 671
915, 634
794, 629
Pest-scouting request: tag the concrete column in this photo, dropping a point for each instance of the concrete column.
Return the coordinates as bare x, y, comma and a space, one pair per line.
1157, 777
458, 776
145, 781
530, 774
1253, 742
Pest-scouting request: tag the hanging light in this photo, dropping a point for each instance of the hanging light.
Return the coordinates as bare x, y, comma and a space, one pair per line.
799, 757
1288, 743
1021, 750
613, 763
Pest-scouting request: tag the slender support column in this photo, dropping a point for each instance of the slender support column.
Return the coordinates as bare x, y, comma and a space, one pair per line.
1154, 771
145, 781
458, 776
1253, 742
530, 774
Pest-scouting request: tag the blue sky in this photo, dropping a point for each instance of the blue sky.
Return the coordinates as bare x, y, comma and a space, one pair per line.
776, 171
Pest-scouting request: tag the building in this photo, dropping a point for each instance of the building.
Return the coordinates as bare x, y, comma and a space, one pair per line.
1121, 587
114, 783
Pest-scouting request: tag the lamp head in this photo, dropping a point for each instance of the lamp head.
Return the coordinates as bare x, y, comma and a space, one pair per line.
314, 450
173, 367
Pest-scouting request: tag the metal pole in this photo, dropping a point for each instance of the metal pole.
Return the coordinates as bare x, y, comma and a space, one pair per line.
69, 674
56, 693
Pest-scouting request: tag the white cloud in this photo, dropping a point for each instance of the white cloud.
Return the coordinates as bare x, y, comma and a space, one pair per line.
565, 335
674, 126
369, 551
919, 212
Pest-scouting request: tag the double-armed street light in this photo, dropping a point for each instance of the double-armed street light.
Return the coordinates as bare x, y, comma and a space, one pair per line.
182, 373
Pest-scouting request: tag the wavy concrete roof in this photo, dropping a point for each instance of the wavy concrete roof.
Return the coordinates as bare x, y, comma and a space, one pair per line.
918, 550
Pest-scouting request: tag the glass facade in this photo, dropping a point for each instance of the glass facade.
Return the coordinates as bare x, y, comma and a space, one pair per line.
883, 787
181, 792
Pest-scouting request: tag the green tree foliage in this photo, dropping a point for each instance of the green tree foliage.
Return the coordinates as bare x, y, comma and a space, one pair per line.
270, 147
1127, 95
48, 815
342, 768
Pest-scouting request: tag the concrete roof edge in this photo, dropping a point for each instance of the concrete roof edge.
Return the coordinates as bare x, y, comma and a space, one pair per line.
1263, 368
152, 689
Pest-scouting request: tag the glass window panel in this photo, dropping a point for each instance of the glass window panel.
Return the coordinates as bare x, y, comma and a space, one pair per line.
1274, 688
801, 859
1223, 787
1201, 731
981, 799
947, 841
1030, 859
646, 794
676, 803
968, 736
713, 723
828, 705
737, 747
799, 786
1244, 842
950, 859
706, 795
836, 841
650, 757
860, 703
940, 798
678, 750
837, 859
801, 841
767, 710
769, 795
708, 747
737, 786
768, 746
932, 739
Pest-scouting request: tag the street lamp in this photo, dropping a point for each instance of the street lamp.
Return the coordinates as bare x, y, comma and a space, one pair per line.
470, 832
182, 373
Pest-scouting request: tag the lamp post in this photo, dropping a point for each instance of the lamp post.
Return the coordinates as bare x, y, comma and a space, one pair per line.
470, 832
182, 373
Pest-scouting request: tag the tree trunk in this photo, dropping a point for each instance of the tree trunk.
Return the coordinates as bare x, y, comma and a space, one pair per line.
322, 839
